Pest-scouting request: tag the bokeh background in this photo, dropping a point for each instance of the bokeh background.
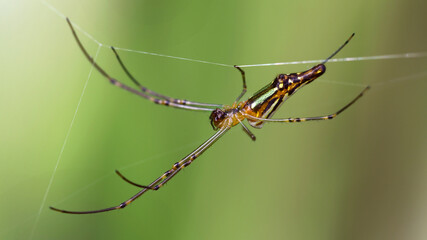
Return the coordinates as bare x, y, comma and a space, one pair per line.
360, 176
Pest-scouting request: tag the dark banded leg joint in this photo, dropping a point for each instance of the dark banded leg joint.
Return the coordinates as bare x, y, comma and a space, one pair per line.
176, 166
112, 81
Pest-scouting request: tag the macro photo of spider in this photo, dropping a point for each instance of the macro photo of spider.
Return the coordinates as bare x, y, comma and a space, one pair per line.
257, 110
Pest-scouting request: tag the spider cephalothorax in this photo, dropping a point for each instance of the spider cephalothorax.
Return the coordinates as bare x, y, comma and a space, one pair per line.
216, 117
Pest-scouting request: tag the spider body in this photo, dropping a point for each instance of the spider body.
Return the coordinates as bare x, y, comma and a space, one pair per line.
258, 109
266, 101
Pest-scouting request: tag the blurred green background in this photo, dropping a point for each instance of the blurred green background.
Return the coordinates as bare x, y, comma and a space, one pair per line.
360, 176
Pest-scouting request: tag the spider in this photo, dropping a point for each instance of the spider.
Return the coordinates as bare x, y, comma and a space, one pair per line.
257, 110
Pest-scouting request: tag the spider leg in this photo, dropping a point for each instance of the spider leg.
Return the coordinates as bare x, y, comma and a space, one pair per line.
163, 179
250, 134
189, 158
146, 90
244, 83
133, 183
117, 83
326, 117
247, 131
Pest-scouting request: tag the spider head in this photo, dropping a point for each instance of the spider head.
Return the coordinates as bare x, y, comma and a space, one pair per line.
217, 117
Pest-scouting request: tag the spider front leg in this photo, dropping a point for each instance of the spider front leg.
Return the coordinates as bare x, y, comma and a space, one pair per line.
178, 166
160, 181
153, 98
148, 91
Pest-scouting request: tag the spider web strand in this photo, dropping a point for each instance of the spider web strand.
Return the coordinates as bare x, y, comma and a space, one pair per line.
399, 79
348, 59
168, 56
63, 147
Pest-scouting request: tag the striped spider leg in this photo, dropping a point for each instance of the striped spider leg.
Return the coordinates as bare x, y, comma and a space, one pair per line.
160, 181
258, 109
144, 92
